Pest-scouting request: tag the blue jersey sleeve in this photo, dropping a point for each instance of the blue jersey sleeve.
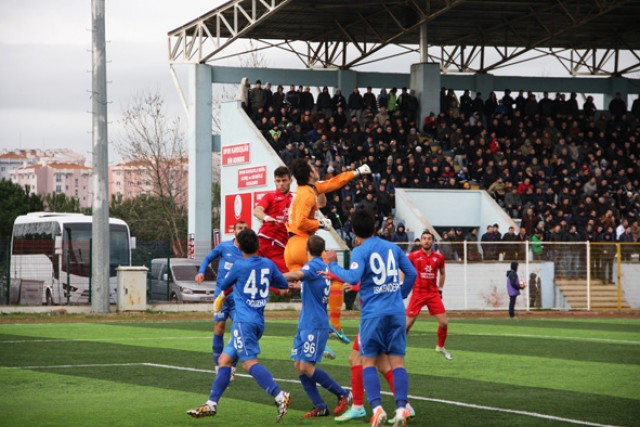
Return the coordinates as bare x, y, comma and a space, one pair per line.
277, 279
410, 275
230, 279
215, 253
355, 271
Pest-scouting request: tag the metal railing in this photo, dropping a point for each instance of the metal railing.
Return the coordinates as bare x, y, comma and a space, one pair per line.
560, 275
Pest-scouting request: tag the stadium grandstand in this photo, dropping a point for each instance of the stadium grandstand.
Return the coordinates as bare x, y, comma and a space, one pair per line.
557, 166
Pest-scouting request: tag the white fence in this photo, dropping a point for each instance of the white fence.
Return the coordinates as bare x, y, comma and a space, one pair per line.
563, 276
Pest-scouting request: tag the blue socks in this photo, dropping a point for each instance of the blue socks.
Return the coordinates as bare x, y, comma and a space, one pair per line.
264, 379
372, 385
220, 383
321, 377
218, 346
310, 388
401, 386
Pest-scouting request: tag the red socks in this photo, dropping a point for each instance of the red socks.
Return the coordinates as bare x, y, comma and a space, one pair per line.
357, 385
442, 336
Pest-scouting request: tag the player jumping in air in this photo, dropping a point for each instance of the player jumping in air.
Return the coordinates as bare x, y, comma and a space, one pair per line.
377, 264
313, 332
229, 253
273, 210
428, 289
248, 281
302, 222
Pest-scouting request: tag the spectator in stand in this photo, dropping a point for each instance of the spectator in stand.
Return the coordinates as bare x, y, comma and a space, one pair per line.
617, 107
445, 247
306, 100
356, 105
292, 98
392, 98
370, 101
466, 104
473, 251
536, 245
323, 103
401, 237
522, 245
510, 247
513, 203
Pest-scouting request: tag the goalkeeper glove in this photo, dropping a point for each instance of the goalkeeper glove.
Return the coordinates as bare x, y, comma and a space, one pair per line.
218, 303
362, 170
324, 223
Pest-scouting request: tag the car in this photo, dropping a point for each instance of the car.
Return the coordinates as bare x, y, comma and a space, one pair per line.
173, 280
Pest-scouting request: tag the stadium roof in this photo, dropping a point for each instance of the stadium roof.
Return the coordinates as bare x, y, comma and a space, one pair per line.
588, 34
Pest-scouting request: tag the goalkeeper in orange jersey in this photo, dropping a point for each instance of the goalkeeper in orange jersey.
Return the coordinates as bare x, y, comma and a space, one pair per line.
302, 223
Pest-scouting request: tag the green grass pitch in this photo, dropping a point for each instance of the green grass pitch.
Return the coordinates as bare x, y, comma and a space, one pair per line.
526, 372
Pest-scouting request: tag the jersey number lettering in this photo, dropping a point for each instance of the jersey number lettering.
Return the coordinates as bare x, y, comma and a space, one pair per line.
383, 273
251, 287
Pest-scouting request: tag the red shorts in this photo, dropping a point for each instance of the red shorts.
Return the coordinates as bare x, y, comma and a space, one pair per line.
433, 301
271, 250
356, 343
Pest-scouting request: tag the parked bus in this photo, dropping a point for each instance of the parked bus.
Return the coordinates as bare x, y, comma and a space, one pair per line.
53, 249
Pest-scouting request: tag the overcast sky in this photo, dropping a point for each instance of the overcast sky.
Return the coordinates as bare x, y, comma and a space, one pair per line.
45, 76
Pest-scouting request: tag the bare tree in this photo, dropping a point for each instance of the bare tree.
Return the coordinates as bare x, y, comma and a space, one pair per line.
154, 144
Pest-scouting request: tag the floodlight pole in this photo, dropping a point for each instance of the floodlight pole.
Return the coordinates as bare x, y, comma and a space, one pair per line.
100, 204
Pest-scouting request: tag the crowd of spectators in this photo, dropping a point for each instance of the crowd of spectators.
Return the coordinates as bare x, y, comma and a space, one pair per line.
567, 172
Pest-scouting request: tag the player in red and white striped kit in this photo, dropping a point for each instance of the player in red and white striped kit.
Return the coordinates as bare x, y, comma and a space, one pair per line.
427, 289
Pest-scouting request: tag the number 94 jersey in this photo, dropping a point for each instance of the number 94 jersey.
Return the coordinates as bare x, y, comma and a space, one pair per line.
251, 278
377, 264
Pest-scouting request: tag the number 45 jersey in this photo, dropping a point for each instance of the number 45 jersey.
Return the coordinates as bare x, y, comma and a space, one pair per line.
377, 263
251, 279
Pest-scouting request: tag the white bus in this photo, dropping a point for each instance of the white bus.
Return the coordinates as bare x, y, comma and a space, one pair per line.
53, 250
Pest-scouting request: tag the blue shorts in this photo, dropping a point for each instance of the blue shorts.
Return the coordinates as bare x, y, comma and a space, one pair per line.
228, 310
309, 344
383, 335
244, 343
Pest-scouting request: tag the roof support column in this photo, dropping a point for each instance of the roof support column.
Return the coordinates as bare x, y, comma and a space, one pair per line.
425, 80
424, 49
199, 141
347, 80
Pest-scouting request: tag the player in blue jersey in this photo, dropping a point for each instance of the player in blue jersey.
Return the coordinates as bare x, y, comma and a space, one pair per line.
376, 264
248, 283
313, 331
228, 252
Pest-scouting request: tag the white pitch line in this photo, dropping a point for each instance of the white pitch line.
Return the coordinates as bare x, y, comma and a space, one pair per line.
553, 337
426, 399
48, 340
284, 380
88, 365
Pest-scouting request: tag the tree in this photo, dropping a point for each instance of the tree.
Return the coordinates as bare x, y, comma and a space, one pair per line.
155, 142
60, 202
16, 201
145, 215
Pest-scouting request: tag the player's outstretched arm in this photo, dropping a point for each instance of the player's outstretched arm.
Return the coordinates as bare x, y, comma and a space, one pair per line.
410, 275
279, 284
294, 276
353, 274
